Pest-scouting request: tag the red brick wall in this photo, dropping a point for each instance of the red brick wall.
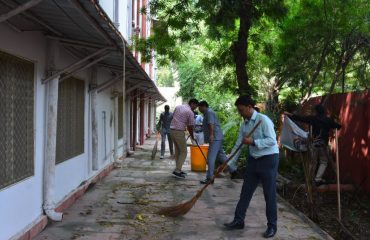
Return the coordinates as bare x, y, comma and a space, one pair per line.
352, 110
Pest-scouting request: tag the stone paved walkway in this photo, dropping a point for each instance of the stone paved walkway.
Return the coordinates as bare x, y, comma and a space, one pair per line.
123, 206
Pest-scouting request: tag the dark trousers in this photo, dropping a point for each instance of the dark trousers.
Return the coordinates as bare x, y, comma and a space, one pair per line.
262, 170
166, 133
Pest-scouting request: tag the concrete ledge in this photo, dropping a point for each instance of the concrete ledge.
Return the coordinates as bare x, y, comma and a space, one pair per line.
78, 192
33, 229
38, 225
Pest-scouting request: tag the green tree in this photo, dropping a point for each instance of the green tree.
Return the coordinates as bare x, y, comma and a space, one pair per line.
320, 40
165, 77
180, 21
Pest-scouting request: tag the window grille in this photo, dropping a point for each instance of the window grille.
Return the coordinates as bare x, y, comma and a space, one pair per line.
16, 119
70, 125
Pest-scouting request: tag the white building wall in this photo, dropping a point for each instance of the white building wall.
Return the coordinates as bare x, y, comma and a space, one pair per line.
170, 93
16, 210
32, 46
105, 104
126, 22
76, 169
124, 16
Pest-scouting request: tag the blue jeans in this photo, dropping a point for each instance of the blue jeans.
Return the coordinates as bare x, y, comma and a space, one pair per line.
215, 151
166, 133
264, 170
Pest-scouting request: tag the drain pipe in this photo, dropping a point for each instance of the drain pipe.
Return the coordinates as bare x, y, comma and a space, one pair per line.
51, 136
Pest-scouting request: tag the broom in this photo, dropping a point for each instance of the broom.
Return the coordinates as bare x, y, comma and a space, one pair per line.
155, 148
185, 207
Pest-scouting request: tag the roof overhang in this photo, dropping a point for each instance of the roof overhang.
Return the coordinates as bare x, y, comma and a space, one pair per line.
86, 32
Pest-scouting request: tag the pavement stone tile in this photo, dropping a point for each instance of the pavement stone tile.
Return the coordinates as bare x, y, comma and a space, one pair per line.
124, 206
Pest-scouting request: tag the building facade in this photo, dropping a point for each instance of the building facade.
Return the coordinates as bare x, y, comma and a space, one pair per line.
74, 100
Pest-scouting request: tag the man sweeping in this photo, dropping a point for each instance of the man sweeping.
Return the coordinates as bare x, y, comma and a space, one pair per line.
263, 162
183, 118
163, 126
212, 135
233, 164
321, 126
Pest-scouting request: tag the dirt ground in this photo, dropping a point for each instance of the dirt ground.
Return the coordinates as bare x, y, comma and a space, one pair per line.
355, 212
355, 205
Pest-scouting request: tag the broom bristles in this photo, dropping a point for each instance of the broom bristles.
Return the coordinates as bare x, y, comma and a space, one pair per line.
155, 149
179, 210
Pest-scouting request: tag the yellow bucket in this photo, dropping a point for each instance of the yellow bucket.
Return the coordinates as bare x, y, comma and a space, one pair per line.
198, 163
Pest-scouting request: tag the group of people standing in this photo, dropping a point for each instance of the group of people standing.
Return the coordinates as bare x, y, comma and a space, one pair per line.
263, 151
263, 154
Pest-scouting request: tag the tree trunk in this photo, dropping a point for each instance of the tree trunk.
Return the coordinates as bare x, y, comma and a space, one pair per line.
337, 74
349, 48
343, 79
240, 47
272, 104
315, 75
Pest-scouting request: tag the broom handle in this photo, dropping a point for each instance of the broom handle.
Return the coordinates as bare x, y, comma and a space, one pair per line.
200, 149
338, 179
223, 166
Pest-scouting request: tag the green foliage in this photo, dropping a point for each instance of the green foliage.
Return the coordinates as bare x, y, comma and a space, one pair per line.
165, 77
320, 40
177, 22
296, 49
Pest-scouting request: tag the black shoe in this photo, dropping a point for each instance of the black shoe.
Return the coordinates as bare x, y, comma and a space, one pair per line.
206, 181
270, 232
235, 175
234, 225
178, 175
184, 173
319, 183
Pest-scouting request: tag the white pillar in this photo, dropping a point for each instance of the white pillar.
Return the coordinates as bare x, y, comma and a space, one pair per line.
51, 134
115, 128
94, 121
128, 127
126, 115
154, 114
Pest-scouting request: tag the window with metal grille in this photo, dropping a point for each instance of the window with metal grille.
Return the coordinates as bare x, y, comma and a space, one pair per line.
120, 117
16, 119
70, 125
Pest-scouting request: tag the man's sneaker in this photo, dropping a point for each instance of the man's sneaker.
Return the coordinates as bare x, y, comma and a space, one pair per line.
178, 175
207, 181
184, 173
161, 157
235, 175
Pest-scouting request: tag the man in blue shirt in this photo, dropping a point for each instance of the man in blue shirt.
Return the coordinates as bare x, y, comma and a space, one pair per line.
198, 128
263, 162
212, 135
